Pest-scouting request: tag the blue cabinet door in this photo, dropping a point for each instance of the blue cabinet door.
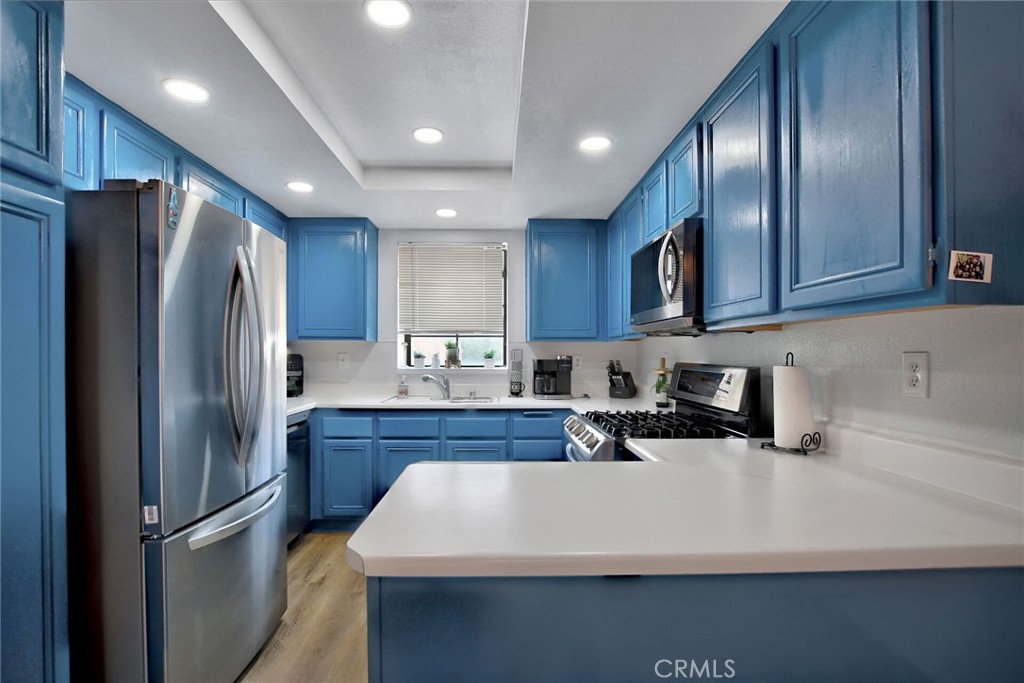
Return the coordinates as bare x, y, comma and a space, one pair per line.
632, 238
476, 451
332, 279
684, 176
202, 180
854, 142
265, 216
654, 200
347, 477
31, 75
615, 283
81, 137
739, 233
33, 507
562, 265
134, 151
393, 456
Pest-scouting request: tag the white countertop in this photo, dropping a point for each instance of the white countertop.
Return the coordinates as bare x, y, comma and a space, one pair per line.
698, 507
355, 398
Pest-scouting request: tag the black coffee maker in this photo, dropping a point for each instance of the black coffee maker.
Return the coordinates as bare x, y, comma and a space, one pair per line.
552, 378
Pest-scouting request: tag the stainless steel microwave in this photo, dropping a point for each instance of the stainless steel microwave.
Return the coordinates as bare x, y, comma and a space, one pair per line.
666, 295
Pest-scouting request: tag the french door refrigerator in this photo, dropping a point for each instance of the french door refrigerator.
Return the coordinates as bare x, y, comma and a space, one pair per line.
176, 351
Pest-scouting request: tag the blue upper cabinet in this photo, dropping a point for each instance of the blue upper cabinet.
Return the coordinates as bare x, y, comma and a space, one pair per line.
81, 137
854, 123
31, 75
265, 216
332, 279
632, 238
654, 199
739, 234
563, 263
132, 150
202, 180
616, 298
684, 176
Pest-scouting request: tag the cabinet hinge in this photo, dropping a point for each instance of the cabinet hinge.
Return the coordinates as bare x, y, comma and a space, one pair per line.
931, 255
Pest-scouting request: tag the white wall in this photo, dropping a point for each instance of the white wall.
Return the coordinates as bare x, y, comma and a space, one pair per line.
977, 371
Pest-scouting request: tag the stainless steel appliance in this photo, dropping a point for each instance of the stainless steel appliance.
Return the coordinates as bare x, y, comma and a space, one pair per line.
176, 391
712, 402
295, 375
298, 474
666, 294
515, 372
552, 377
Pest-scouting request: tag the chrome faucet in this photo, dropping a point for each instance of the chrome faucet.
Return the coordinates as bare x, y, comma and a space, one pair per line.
442, 383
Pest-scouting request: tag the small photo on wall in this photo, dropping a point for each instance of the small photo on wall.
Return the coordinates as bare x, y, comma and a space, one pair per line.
970, 266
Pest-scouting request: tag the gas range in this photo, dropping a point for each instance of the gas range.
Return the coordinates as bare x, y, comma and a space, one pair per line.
712, 402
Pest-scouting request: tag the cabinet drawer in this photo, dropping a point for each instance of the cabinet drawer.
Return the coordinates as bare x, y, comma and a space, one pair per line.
348, 427
469, 451
538, 449
465, 427
538, 424
410, 426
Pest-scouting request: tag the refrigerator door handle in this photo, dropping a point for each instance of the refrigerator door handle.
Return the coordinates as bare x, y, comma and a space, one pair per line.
232, 357
259, 367
219, 534
255, 335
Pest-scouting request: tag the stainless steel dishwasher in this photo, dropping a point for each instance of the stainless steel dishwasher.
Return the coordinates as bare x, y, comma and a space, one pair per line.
298, 474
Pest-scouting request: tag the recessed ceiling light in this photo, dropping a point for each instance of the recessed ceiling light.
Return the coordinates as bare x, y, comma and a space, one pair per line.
597, 143
428, 136
388, 13
186, 90
299, 186
446, 213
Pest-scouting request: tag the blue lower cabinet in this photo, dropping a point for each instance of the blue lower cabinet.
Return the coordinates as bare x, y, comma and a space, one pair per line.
739, 222
200, 179
347, 477
470, 451
538, 424
484, 424
538, 449
133, 151
854, 123
564, 279
413, 424
393, 456
33, 502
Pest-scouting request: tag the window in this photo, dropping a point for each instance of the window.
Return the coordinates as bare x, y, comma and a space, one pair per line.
452, 292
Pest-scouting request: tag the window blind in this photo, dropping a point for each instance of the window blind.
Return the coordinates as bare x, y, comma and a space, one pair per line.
451, 289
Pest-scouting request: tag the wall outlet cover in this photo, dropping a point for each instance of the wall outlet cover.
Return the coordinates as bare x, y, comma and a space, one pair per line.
915, 375
577, 362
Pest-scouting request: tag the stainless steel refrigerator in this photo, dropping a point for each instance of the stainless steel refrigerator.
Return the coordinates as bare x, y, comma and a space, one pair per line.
176, 390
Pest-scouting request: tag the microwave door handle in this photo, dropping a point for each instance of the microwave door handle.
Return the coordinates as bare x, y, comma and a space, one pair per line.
666, 293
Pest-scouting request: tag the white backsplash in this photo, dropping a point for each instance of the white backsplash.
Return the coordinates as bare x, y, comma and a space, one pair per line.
976, 400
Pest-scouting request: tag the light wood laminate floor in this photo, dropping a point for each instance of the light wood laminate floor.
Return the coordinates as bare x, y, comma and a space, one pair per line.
322, 637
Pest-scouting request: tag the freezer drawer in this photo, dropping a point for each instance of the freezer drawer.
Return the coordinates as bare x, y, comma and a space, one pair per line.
216, 591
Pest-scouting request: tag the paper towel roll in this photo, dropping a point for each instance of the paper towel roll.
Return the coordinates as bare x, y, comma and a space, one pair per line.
792, 400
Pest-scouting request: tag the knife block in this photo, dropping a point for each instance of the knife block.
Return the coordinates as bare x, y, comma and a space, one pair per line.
627, 391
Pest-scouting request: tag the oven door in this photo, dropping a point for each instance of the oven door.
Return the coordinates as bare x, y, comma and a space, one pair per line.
572, 454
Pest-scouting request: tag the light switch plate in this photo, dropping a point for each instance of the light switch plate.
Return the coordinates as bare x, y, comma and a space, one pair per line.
915, 374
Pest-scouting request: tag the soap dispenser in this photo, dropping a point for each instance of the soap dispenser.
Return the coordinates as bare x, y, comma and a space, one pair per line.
403, 388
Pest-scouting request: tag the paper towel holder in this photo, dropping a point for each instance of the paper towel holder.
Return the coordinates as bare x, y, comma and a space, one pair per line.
808, 442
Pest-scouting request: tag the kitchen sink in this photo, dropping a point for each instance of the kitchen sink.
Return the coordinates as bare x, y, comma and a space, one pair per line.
471, 399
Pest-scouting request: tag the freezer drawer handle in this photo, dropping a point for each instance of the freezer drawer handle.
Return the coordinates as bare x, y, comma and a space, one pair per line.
211, 537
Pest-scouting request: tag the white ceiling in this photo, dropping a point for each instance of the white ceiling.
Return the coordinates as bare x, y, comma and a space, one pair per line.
314, 91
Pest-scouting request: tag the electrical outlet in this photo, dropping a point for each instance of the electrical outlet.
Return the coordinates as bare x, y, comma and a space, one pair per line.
915, 374
577, 362
343, 361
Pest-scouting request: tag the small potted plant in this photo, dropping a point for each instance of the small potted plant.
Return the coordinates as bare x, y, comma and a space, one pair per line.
488, 358
418, 359
452, 356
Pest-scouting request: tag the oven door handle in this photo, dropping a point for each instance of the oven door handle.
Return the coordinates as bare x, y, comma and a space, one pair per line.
570, 454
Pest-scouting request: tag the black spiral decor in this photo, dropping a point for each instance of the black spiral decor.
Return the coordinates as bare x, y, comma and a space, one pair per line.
808, 444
